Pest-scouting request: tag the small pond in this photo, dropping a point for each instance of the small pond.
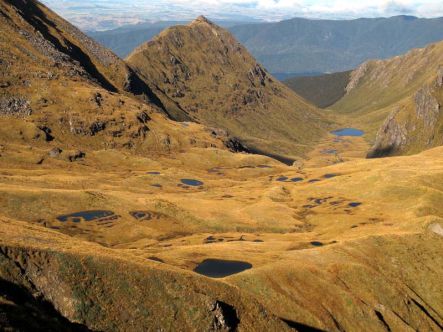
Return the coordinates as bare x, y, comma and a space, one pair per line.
348, 132
88, 216
329, 151
218, 268
282, 178
144, 215
330, 175
192, 182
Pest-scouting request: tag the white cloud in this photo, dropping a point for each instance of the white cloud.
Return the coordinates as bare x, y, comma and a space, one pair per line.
132, 10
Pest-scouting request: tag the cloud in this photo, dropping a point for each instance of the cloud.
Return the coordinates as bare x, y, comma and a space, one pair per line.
124, 11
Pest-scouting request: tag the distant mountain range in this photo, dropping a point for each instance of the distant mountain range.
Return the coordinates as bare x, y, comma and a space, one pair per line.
304, 46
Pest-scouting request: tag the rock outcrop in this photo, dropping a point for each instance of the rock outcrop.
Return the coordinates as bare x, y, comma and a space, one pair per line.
427, 107
391, 137
15, 106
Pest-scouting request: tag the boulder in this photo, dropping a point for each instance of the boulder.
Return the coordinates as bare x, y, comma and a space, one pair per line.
15, 106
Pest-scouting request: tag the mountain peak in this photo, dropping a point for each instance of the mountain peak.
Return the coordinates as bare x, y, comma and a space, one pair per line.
214, 80
202, 19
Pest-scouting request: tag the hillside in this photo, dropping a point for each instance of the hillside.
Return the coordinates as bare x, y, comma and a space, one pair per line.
215, 81
405, 94
321, 90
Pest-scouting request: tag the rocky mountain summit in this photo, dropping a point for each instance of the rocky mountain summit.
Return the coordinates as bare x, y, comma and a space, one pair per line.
214, 80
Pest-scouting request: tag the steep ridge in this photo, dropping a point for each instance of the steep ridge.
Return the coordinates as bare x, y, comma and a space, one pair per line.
301, 46
66, 45
215, 81
398, 101
62, 92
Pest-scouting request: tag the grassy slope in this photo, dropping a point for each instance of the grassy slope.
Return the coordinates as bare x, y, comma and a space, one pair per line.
68, 101
215, 80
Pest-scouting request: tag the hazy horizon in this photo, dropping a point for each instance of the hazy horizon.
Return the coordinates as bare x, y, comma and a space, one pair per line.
108, 14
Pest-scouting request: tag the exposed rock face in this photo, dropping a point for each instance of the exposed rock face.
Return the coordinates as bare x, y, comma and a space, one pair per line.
404, 128
232, 143
54, 82
440, 77
67, 47
411, 85
235, 145
436, 228
356, 76
390, 138
225, 317
97, 127
427, 106
55, 152
417, 125
47, 132
15, 106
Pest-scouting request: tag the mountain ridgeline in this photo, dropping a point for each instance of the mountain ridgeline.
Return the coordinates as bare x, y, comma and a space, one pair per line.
323, 46
213, 80
304, 46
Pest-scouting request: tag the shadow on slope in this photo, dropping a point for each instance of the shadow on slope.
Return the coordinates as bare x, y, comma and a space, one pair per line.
20, 311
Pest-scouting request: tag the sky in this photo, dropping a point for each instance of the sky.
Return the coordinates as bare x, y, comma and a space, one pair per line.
103, 14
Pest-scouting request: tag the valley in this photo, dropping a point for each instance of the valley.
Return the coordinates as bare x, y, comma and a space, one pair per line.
130, 198
287, 223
